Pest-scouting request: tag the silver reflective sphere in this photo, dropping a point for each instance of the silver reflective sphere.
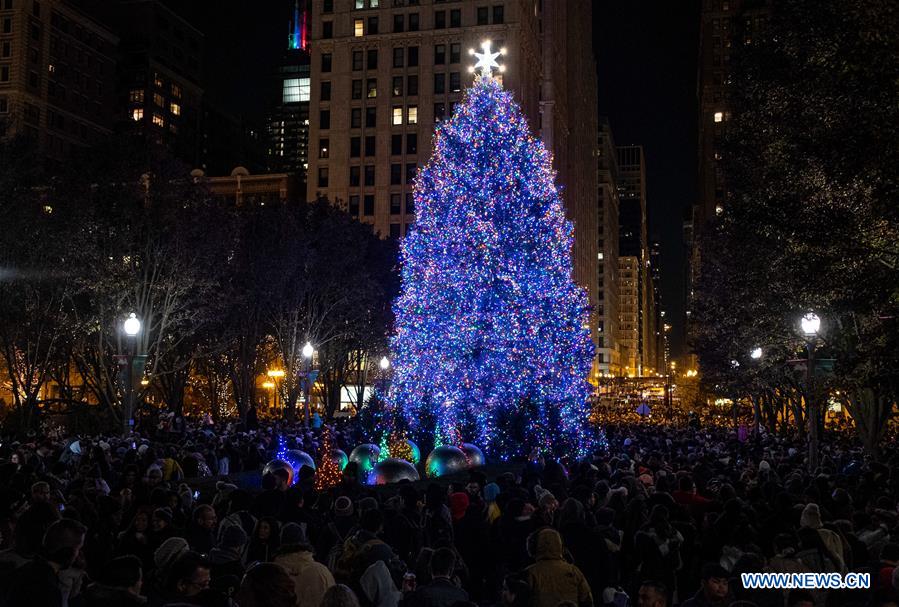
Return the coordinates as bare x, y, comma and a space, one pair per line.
392, 471
279, 464
366, 456
299, 459
445, 459
339, 457
475, 456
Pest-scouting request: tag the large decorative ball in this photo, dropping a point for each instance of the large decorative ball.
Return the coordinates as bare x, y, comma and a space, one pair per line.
416, 452
392, 470
444, 460
280, 464
366, 456
475, 456
299, 459
339, 458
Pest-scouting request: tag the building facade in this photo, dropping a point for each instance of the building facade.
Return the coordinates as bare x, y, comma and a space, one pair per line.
287, 127
160, 92
57, 75
637, 318
384, 73
608, 281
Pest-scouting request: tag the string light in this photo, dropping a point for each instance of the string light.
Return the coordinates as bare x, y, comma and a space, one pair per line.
490, 341
328, 474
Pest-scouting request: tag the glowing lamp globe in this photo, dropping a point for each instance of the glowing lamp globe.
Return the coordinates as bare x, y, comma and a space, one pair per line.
308, 350
392, 470
384, 363
444, 460
474, 455
132, 325
811, 324
756, 354
366, 456
280, 464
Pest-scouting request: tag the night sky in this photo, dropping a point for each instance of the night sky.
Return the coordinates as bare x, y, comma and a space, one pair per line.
646, 52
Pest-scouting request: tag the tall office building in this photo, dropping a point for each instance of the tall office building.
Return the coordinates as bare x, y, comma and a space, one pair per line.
57, 75
160, 89
383, 74
609, 356
723, 24
637, 305
288, 123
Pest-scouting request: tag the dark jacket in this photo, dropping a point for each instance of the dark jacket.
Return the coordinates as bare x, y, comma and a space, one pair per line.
439, 593
98, 595
35, 583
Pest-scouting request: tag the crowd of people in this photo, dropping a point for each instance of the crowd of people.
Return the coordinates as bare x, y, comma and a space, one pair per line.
658, 517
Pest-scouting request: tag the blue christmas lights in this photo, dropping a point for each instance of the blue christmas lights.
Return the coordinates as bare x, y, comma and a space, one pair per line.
490, 341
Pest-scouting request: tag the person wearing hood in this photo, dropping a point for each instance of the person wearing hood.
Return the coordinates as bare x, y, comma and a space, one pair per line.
440, 591
311, 579
551, 578
811, 519
491, 492
226, 560
378, 586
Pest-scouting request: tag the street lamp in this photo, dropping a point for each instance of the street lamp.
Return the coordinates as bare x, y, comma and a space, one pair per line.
756, 354
131, 328
385, 363
308, 351
811, 326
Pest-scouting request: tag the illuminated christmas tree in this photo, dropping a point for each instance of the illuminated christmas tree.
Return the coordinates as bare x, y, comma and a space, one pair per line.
491, 343
328, 473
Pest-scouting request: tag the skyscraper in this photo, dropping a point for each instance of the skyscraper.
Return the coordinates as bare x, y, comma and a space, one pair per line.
637, 303
609, 356
288, 123
160, 90
57, 75
384, 73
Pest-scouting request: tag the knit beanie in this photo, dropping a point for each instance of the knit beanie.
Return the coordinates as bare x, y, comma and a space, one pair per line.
169, 551
343, 506
233, 538
163, 514
491, 492
292, 535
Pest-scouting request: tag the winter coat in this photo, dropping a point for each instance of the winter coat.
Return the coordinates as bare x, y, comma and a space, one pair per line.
552, 580
311, 579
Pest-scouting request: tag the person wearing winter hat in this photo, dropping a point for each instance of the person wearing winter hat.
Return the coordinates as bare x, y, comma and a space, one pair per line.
811, 519
168, 553
226, 566
458, 503
491, 492
311, 579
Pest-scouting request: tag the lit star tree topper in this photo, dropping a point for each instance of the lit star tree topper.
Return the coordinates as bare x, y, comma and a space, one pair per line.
486, 60
490, 341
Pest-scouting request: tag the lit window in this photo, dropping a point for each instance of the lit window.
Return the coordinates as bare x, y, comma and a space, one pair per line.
296, 90
599, 256
397, 115
158, 120
136, 95
176, 91
51, 68
176, 109
158, 100
373, 3
719, 116
360, 4
157, 80
137, 114
413, 114
358, 28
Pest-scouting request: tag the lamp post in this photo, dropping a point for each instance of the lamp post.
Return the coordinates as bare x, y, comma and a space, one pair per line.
384, 365
811, 325
131, 327
308, 351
